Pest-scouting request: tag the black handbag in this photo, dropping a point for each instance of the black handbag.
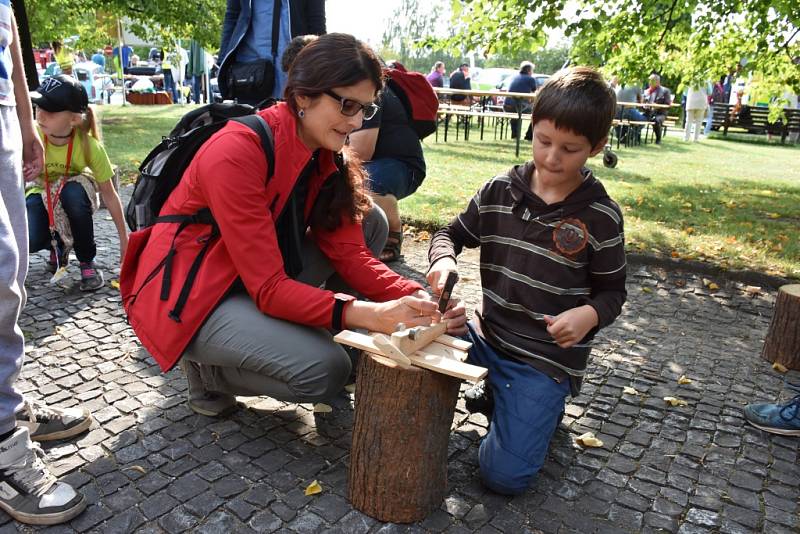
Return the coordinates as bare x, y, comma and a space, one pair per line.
255, 80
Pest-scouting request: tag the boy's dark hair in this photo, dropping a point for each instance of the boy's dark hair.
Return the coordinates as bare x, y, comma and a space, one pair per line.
463, 66
577, 99
293, 48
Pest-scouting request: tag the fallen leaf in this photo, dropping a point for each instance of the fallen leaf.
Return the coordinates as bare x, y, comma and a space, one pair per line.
138, 468
588, 440
690, 230
313, 488
350, 388
774, 215
779, 367
675, 254
647, 289
712, 286
752, 290
321, 407
631, 342
115, 284
673, 401
423, 236
629, 391
684, 380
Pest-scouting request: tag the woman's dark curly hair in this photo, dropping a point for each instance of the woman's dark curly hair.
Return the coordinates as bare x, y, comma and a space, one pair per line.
335, 60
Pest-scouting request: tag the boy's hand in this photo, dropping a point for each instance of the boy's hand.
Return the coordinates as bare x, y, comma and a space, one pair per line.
456, 318
571, 326
437, 276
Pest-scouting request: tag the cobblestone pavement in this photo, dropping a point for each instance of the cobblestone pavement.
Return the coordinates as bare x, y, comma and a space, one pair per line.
149, 464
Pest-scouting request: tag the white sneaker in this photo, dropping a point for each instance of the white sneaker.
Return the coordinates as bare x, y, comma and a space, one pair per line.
28, 491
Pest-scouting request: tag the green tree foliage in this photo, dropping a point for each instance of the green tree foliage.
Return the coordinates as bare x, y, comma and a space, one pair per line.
93, 22
687, 41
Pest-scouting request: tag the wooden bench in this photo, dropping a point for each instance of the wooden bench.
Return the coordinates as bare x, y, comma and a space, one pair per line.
754, 120
500, 119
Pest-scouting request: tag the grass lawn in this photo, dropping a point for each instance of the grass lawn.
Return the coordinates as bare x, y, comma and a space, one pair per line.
732, 203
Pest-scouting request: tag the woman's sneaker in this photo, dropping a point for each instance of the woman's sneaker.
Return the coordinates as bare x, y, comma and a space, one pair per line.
47, 423
91, 277
202, 400
28, 491
783, 419
53, 264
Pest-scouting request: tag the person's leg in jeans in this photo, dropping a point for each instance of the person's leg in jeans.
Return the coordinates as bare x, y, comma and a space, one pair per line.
31, 493
527, 409
78, 209
241, 351
391, 180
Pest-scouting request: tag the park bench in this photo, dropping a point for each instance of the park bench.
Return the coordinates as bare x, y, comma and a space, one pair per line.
754, 120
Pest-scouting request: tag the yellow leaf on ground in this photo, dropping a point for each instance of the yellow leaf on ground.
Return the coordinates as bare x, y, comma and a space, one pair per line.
774, 215
423, 236
115, 284
321, 407
674, 401
588, 440
779, 367
684, 380
629, 391
313, 488
631, 342
690, 230
712, 286
647, 289
706, 281
350, 388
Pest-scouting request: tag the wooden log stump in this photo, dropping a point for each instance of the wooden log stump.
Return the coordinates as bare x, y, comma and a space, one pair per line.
398, 459
783, 339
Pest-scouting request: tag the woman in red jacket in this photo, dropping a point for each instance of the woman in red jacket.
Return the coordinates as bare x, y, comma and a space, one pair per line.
256, 321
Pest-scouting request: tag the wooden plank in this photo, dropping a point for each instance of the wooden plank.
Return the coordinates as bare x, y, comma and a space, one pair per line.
440, 364
444, 351
412, 339
389, 350
454, 342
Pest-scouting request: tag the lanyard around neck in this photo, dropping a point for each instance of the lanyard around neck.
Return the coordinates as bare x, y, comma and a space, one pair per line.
53, 199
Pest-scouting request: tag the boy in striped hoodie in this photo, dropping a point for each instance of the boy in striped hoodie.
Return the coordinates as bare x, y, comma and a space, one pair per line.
552, 265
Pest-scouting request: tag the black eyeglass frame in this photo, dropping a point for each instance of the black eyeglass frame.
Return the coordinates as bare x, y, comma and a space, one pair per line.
369, 110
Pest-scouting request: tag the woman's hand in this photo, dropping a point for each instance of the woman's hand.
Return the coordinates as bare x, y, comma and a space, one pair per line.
437, 275
385, 316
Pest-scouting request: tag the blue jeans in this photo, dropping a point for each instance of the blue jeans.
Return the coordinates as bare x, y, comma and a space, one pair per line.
169, 85
528, 405
13, 264
197, 88
79, 213
391, 177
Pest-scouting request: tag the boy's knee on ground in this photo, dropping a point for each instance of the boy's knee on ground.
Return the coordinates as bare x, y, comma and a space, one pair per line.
503, 472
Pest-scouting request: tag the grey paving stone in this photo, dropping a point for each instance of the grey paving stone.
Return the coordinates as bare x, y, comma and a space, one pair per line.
203, 504
178, 520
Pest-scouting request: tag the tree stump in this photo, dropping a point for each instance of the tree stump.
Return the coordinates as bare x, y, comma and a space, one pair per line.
783, 339
398, 459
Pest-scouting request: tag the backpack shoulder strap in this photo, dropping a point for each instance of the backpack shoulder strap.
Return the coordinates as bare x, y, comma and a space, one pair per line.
256, 123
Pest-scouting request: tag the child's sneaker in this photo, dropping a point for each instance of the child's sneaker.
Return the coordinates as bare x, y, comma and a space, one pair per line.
91, 277
47, 423
783, 419
28, 491
479, 399
53, 264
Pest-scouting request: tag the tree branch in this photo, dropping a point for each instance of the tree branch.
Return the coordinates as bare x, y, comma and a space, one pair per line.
669, 21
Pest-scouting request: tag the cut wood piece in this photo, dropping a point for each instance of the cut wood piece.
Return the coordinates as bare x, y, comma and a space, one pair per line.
440, 364
454, 342
411, 340
782, 344
401, 430
390, 351
445, 351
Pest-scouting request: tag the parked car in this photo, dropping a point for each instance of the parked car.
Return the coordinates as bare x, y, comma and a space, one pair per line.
491, 78
99, 85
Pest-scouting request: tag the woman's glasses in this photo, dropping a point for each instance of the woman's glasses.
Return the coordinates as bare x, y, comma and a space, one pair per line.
351, 107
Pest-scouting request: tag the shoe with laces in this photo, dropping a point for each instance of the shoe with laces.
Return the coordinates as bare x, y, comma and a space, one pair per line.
783, 419
28, 491
54, 264
202, 400
91, 277
46, 423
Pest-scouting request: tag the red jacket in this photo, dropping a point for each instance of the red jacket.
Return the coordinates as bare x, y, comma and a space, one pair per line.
228, 176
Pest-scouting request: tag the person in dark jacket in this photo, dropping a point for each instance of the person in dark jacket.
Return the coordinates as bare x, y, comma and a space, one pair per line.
552, 274
247, 36
524, 82
460, 79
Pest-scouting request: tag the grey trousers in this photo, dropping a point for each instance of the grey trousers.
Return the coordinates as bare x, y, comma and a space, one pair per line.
242, 351
13, 264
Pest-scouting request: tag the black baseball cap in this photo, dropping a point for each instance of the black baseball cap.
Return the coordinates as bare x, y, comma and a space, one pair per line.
61, 93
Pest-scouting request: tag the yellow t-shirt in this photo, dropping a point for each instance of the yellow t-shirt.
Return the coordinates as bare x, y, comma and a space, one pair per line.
93, 157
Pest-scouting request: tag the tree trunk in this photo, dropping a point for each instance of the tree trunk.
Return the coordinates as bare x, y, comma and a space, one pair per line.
783, 339
398, 459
